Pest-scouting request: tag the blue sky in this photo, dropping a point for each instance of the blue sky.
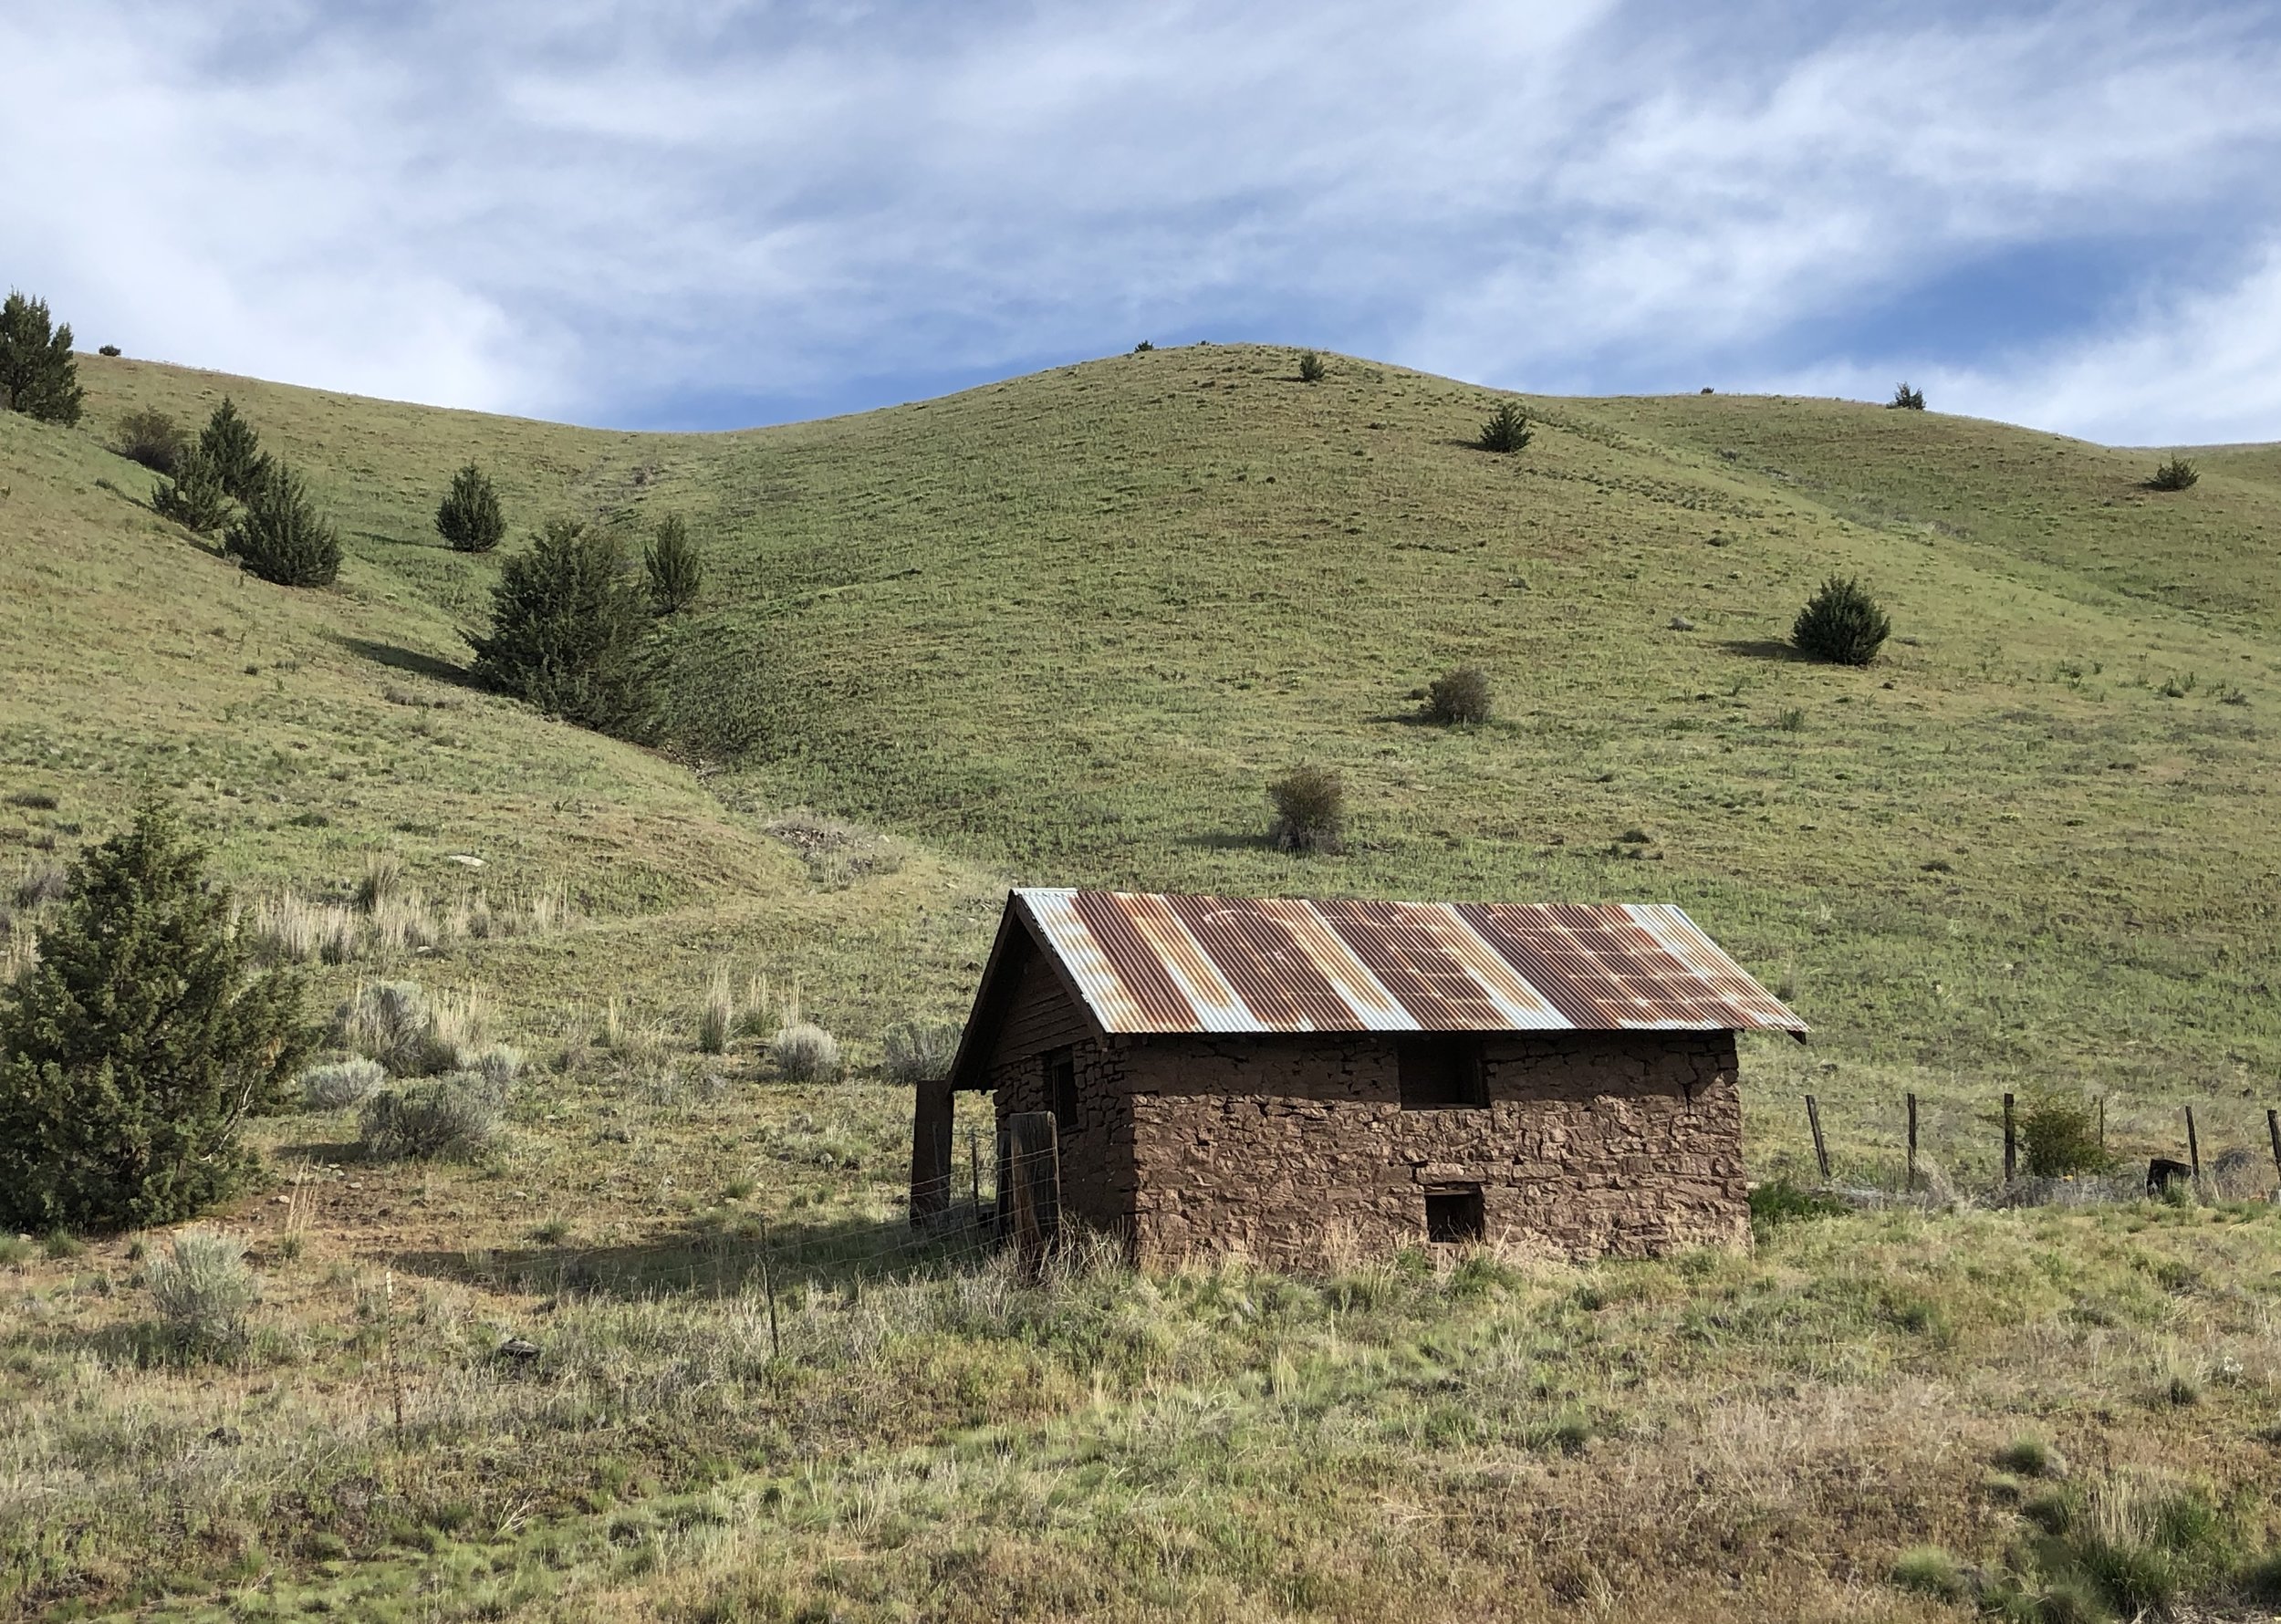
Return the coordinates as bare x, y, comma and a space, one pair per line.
703, 214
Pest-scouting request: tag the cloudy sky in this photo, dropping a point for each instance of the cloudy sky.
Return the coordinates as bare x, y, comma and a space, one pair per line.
701, 213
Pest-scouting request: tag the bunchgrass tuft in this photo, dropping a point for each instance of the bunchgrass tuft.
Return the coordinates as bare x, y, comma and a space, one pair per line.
716, 1016
1928, 1570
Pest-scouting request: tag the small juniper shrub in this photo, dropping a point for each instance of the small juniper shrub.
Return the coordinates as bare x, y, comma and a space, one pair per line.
1460, 696
38, 376
453, 1116
919, 1051
1841, 624
193, 498
469, 518
203, 1289
152, 437
282, 537
717, 1017
1310, 804
1142, 347
108, 350
229, 446
676, 573
2177, 475
569, 630
1906, 398
1507, 430
1310, 367
2059, 1134
343, 1084
805, 1053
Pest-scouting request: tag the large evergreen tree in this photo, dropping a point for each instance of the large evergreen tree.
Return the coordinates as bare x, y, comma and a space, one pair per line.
233, 451
38, 374
469, 517
133, 1050
281, 536
568, 629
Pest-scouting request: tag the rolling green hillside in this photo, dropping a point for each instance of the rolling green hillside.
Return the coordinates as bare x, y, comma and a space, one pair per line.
1063, 627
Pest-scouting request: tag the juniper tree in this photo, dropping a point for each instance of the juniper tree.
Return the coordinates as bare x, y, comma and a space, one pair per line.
131, 1052
233, 450
469, 518
281, 536
1507, 430
1841, 623
193, 498
1906, 398
676, 573
568, 630
38, 376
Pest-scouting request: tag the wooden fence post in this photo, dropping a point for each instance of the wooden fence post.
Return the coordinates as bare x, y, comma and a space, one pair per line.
931, 1111
974, 1170
2102, 1124
1913, 1142
2193, 1145
1821, 1150
2273, 1132
1035, 1167
2011, 1143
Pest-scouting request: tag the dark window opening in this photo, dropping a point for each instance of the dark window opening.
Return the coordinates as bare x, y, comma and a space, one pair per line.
1441, 1073
1454, 1214
1061, 1089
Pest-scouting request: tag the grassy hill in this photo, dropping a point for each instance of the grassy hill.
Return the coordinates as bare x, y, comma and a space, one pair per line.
1063, 629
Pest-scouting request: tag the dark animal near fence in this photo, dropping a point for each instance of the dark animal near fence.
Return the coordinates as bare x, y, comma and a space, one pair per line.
2162, 1172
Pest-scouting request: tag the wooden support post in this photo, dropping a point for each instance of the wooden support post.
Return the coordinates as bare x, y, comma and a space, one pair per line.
930, 1150
974, 1172
2011, 1143
1034, 1169
2194, 1147
1912, 1142
1821, 1150
2273, 1133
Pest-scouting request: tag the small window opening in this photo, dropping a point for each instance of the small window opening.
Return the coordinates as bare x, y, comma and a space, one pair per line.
1061, 1089
1441, 1073
1453, 1214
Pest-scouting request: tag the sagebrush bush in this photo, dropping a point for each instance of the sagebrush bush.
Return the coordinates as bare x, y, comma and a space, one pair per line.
133, 1050
469, 518
1310, 367
203, 1288
38, 376
1841, 623
1906, 398
919, 1051
341, 1085
676, 574
1460, 696
805, 1053
2176, 475
193, 498
2059, 1137
282, 537
455, 1115
499, 1066
152, 437
1310, 804
1507, 430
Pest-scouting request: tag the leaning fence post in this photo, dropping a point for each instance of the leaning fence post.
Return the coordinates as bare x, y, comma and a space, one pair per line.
2011, 1143
2102, 1124
2273, 1132
2193, 1145
768, 1287
1821, 1150
1912, 1142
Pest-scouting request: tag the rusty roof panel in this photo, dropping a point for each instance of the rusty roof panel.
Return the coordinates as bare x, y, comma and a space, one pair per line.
1157, 963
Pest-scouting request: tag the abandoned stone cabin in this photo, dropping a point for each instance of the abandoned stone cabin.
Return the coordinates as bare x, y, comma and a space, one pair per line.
1278, 1078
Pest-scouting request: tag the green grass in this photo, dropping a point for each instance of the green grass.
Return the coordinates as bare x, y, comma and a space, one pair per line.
1065, 629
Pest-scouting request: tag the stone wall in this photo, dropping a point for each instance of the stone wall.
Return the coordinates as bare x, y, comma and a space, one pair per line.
1098, 1182
1285, 1150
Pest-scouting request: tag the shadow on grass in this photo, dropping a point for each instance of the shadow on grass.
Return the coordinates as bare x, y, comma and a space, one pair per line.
1762, 648
412, 661
832, 1254
1226, 842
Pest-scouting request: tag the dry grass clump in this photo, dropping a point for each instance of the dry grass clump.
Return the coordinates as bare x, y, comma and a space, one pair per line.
341, 1085
1460, 697
288, 929
717, 1017
452, 1117
43, 883
387, 916
409, 1031
806, 1053
203, 1288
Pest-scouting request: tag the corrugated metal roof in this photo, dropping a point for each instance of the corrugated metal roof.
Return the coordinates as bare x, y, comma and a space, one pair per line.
1148, 964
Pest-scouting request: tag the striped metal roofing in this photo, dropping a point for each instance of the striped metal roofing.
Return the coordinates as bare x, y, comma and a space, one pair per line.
1156, 963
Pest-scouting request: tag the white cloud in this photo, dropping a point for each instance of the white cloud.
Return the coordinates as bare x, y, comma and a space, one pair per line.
588, 208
